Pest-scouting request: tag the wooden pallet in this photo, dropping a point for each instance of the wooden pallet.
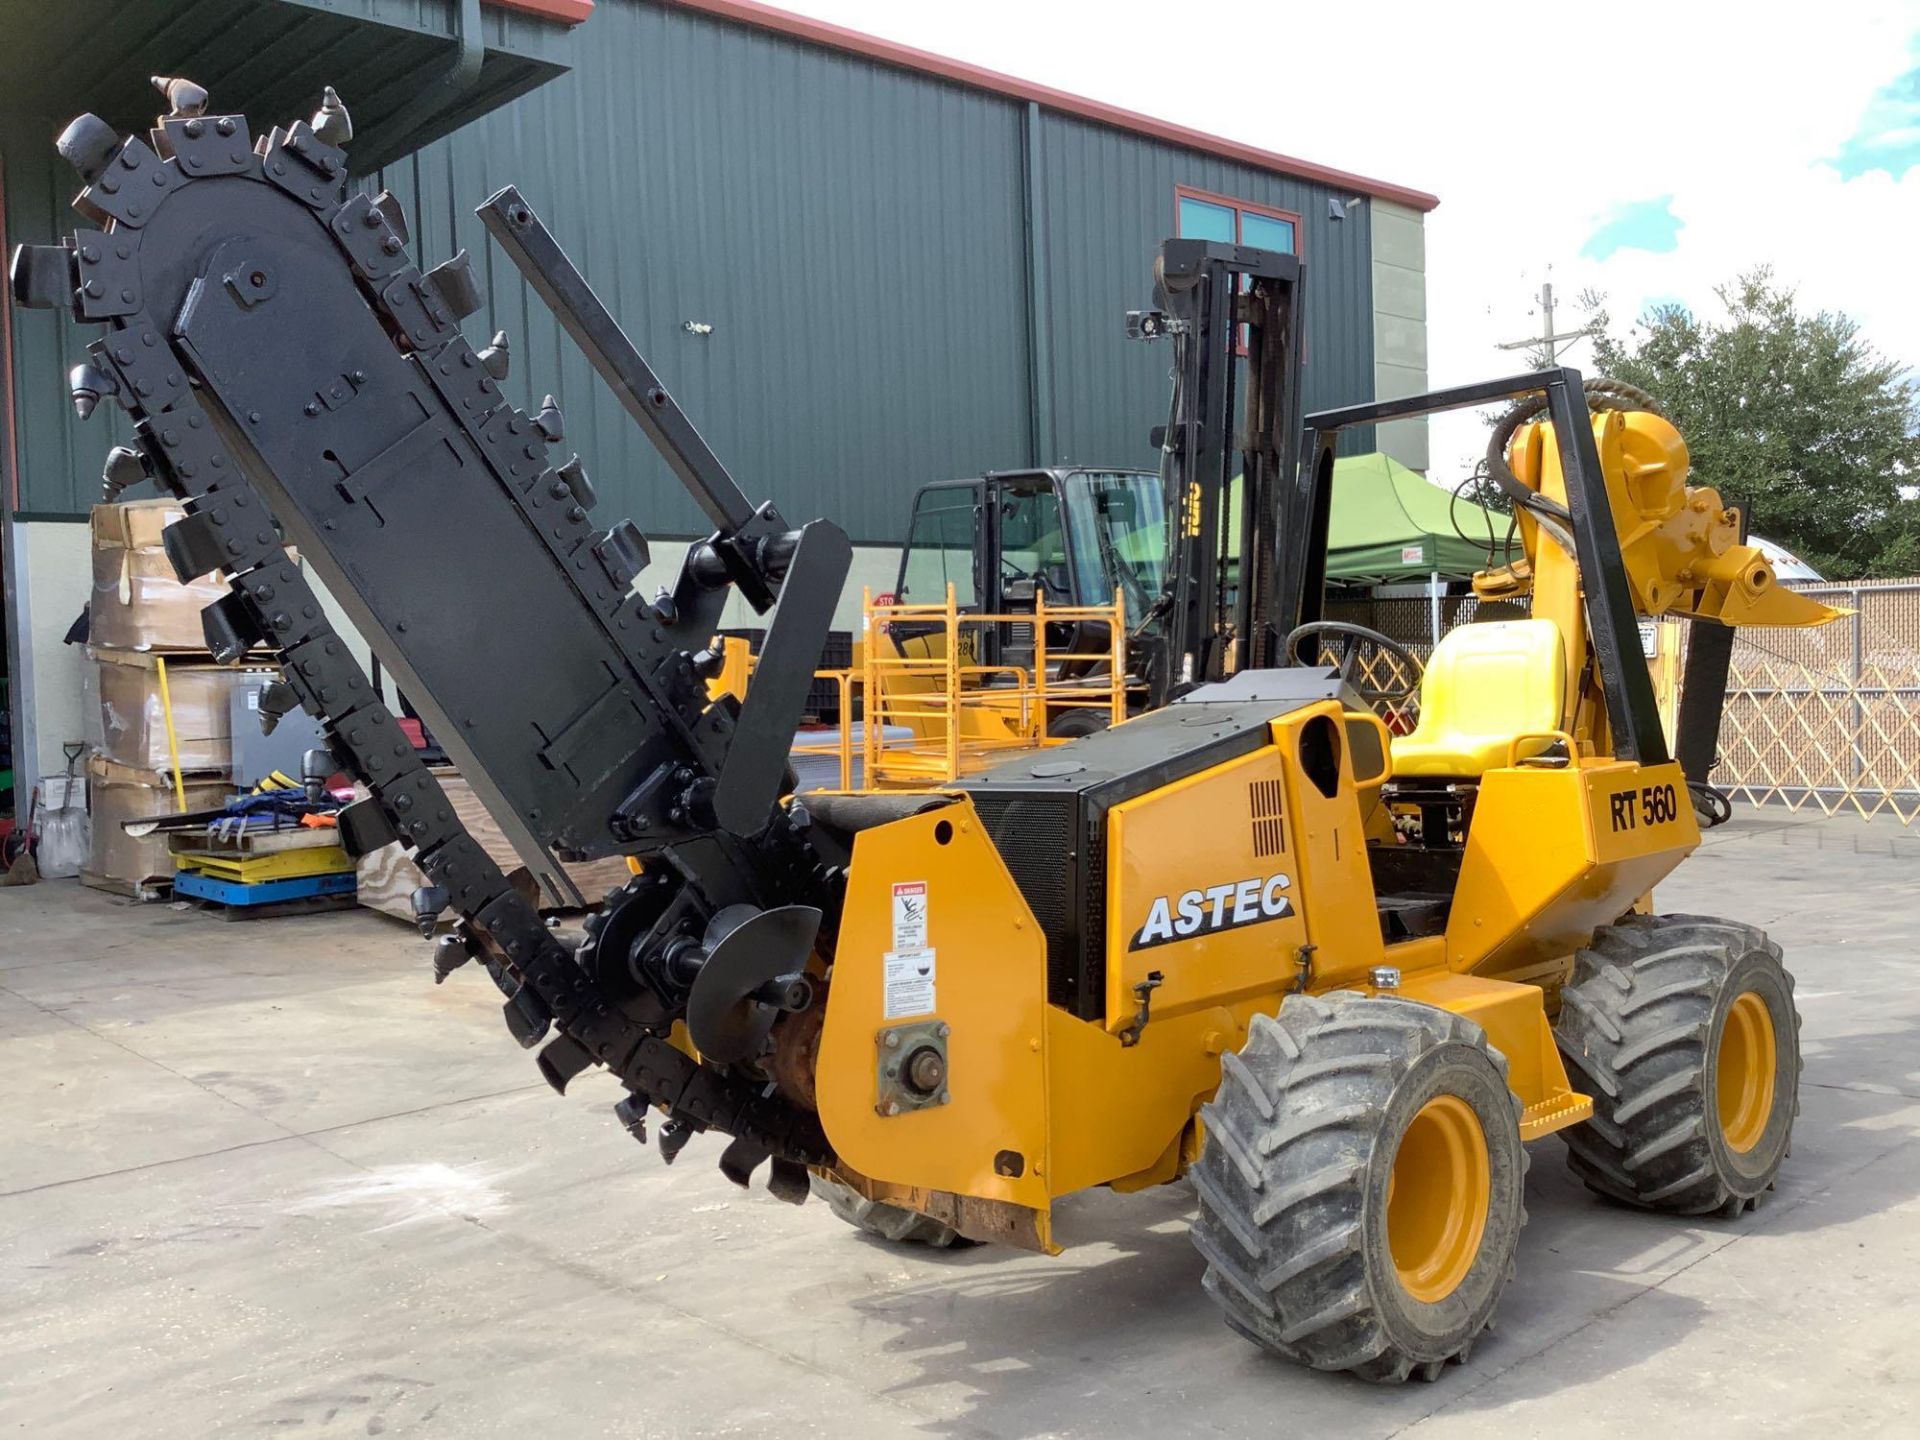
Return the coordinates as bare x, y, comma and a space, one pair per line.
147, 892
293, 895
274, 910
248, 843
259, 868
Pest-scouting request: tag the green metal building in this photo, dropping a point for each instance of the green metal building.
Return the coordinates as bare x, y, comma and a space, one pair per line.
860, 267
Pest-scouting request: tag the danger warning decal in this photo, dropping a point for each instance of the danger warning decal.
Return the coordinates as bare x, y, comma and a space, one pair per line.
910, 915
1231, 906
909, 966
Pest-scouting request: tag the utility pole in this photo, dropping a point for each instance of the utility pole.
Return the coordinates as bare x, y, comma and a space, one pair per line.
1546, 346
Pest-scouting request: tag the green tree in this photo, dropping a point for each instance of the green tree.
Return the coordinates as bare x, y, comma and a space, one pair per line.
1793, 414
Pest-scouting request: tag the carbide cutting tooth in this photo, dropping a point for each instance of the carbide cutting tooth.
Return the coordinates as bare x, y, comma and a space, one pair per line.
87, 384
184, 98
632, 1113
125, 468
496, 359
331, 122
450, 952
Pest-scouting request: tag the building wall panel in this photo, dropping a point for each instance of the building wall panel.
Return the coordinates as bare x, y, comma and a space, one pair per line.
1400, 325
852, 234
1108, 202
857, 237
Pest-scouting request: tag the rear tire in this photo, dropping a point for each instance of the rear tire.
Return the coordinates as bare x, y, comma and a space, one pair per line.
1683, 1029
1307, 1253
886, 1222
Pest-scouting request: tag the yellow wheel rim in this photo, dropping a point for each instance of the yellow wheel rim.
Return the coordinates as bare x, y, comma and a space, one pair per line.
1745, 1072
1437, 1198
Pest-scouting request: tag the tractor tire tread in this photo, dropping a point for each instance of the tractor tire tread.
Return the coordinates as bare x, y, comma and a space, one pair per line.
1284, 1247
1636, 1024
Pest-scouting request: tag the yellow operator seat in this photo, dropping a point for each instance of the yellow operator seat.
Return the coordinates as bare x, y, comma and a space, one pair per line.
1485, 685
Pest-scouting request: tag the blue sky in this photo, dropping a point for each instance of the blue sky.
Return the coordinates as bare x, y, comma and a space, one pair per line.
1888, 138
1648, 225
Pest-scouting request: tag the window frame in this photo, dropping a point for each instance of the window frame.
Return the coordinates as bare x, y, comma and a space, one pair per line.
1240, 208
974, 492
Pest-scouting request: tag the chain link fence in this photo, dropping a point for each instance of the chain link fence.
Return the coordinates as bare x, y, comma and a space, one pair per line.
1827, 717
1830, 717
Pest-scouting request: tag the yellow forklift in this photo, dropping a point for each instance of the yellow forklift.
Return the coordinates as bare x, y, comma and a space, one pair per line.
1016, 569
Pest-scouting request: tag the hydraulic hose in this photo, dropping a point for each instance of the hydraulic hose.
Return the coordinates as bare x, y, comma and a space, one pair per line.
1602, 393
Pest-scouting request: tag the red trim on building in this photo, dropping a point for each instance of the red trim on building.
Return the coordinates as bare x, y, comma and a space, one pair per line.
6, 369
567, 12
906, 57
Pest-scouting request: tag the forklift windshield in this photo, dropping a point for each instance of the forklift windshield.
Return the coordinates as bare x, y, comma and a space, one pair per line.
1117, 528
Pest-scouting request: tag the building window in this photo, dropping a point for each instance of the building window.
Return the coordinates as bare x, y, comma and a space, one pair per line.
1202, 216
1199, 215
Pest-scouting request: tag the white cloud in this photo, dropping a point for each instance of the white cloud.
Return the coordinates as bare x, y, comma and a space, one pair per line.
1532, 123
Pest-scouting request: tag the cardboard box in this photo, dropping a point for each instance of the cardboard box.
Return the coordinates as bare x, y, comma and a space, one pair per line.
128, 721
137, 602
134, 524
123, 792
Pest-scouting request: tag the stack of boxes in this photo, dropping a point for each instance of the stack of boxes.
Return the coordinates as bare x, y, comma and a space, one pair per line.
143, 618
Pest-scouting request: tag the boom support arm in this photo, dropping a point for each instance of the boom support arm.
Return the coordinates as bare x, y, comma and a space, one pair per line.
1638, 541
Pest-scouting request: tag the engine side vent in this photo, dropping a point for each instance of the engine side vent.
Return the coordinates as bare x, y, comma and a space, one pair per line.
1267, 808
1034, 835
1090, 984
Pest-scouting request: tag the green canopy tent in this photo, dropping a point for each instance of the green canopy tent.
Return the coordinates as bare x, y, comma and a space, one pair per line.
1389, 524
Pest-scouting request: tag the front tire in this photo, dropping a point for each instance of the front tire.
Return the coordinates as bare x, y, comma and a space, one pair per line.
1361, 1185
1684, 1031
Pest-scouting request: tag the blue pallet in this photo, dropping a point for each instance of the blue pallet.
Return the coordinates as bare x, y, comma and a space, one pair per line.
265, 892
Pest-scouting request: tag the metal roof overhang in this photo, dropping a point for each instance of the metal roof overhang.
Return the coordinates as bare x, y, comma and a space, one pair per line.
409, 71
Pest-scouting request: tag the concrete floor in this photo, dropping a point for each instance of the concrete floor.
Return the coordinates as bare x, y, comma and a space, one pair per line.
267, 1179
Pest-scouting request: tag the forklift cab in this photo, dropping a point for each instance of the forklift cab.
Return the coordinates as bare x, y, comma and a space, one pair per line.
1011, 538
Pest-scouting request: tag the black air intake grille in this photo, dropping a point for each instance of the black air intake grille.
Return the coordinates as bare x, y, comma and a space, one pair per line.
1090, 994
1269, 818
1035, 837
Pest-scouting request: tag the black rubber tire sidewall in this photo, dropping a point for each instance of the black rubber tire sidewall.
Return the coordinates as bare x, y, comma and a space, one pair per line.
1077, 724
1747, 1175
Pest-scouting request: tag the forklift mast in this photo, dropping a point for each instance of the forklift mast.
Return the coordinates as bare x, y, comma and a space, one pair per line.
1222, 305
1234, 316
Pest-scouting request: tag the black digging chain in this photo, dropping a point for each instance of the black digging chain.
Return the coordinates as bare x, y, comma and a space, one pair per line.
541, 978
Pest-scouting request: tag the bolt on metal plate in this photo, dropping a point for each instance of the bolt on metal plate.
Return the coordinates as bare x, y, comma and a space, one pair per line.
911, 1069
